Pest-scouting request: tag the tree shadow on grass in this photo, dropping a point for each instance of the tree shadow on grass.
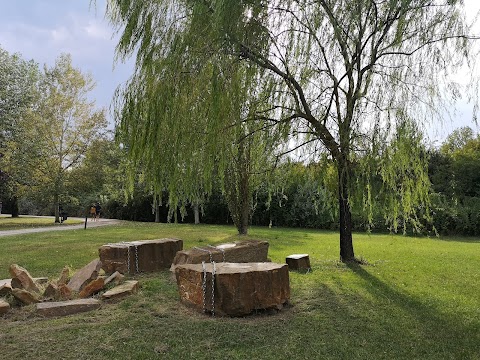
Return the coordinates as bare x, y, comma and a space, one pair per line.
424, 329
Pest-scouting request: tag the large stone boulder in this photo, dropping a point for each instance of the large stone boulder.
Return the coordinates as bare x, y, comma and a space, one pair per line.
69, 307
21, 279
85, 275
237, 252
239, 288
139, 256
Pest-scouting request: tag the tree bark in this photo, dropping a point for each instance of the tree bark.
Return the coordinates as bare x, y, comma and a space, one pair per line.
346, 241
196, 213
57, 212
157, 213
15, 211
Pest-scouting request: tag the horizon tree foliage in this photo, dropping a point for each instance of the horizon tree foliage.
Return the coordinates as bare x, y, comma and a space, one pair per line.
66, 123
347, 78
17, 93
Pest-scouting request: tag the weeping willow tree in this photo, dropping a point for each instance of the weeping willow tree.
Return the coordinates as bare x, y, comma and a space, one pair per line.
186, 116
343, 77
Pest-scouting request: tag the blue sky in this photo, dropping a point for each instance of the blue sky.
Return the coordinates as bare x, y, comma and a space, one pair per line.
42, 29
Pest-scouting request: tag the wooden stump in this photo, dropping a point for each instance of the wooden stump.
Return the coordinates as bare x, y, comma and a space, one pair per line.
238, 288
238, 252
299, 262
139, 256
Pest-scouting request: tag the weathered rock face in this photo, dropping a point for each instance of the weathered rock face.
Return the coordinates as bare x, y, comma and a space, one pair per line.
4, 307
239, 288
64, 276
83, 276
5, 287
21, 279
299, 262
238, 252
139, 256
92, 287
26, 297
116, 278
51, 291
63, 308
127, 288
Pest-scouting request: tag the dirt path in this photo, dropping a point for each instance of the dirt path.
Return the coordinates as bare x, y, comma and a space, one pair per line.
90, 224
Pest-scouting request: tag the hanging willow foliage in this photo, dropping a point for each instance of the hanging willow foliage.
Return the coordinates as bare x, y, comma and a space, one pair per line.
329, 75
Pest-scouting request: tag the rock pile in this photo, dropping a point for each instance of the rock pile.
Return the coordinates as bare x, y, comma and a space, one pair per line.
65, 295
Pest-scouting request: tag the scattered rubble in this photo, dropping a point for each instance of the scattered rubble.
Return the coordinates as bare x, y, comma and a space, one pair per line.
4, 306
127, 288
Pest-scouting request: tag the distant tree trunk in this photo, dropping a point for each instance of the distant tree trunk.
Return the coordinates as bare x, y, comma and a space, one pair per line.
56, 204
157, 213
196, 213
14, 202
346, 241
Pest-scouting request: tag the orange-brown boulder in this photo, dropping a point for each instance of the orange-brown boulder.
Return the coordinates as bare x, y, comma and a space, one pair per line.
139, 256
21, 279
236, 252
92, 287
83, 276
239, 288
26, 297
69, 307
4, 307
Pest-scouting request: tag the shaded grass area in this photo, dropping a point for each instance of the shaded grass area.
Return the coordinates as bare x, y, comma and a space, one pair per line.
418, 299
25, 222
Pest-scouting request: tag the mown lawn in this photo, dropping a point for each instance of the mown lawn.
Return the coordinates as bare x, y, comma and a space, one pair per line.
418, 299
24, 221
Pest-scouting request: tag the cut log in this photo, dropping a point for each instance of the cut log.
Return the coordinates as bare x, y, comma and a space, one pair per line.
239, 288
238, 252
139, 256
298, 262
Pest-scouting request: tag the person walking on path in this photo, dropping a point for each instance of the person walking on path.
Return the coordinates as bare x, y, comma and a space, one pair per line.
98, 209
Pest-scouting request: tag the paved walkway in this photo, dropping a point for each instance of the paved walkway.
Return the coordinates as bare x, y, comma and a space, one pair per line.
90, 224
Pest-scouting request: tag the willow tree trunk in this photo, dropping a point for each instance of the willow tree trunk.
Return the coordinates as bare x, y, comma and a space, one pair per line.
196, 213
14, 204
57, 208
346, 241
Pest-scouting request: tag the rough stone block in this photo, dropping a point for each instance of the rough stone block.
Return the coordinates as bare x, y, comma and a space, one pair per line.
21, 279
139, 256
116, 278
238, 252
83, 276
64, 276
92, 287
299, 262
5, 287
127, 288
239, 288
4, 307
26, 297
51, 291
63, 308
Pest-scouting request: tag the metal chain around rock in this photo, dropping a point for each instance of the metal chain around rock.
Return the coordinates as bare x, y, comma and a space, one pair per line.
213, 287
204, 286
217, 248
128, 258
136, 258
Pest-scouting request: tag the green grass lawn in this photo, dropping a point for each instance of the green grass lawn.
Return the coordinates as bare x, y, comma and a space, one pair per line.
418, 299
25, 221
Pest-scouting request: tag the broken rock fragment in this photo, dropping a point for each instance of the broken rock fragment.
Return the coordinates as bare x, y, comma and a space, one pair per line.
21, 279
85, 275
127, 288
25, 297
